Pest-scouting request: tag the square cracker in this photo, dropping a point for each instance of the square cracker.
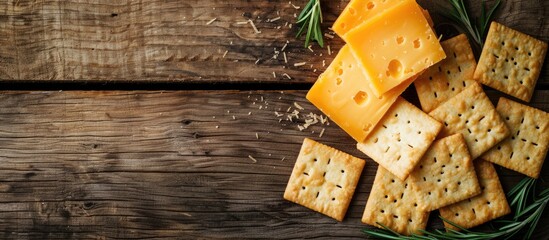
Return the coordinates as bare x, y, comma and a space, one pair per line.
324, 179
393, 203
527, 147
472, 114
489, 205
511, 61
401, 138
445, 175
448, 77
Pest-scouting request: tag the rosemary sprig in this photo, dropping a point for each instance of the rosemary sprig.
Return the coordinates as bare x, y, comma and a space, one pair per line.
310, 19
528, 211
477, 31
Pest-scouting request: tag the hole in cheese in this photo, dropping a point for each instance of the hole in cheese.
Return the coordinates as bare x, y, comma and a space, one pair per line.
417, 43
370, 5
394, 69
352, 11
360, 97
338, 81
400, 40
366, 128
339, 71
342, 25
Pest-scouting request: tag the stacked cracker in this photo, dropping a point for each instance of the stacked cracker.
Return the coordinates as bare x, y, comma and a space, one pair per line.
454, 174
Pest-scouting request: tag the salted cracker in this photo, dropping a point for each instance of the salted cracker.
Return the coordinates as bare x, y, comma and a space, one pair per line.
401, 137
511, 61
445, 175
472, 114
525, 150
448, 77
324, 179
394, 204
489, 205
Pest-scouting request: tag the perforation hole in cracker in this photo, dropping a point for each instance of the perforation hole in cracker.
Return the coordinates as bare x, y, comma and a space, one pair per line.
401, 138
449, 77
472, 114
437, 183
393, 204
489, 205
323, 179
519, 58
526, 149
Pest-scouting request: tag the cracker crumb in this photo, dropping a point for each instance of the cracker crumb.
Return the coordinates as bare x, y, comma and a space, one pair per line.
285, 45
275, 19
321, 132
254, 27
249, 113
216, 126
329, 35
211, 21
298, 106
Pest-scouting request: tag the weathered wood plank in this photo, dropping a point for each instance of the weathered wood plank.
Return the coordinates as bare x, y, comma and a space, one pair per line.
171, 41
139, 164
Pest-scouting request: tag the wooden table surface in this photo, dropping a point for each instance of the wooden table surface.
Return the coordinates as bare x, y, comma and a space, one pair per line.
174, 163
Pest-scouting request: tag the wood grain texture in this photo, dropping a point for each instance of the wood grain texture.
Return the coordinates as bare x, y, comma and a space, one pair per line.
161, 40
142, 164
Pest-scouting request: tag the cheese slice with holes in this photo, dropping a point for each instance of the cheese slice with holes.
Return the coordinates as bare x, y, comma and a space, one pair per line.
395, 45
359, 11
344, 93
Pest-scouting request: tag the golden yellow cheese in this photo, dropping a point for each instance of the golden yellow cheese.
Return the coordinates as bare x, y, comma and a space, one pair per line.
358, 11
395, 45
344, 93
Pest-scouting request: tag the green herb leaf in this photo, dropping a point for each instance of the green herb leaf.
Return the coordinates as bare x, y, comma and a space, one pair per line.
525, 220
476, 31
310, 19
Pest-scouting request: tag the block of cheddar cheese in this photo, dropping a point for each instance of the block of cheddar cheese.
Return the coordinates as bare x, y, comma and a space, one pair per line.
395, 45
359, 11
344, 93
